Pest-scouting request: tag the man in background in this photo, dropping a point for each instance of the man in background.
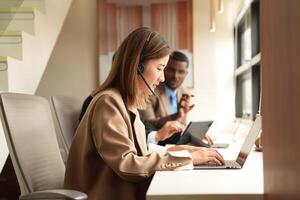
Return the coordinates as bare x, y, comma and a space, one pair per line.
172, 99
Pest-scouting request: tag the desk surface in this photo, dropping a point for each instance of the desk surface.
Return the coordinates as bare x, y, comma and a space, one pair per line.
245, 183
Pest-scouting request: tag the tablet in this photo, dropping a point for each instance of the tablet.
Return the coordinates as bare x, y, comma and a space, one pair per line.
193, 133
195, 129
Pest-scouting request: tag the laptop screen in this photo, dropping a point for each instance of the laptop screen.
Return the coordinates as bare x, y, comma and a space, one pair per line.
249, 142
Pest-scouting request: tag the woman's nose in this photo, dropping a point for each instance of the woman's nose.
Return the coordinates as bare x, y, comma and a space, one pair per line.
162, 77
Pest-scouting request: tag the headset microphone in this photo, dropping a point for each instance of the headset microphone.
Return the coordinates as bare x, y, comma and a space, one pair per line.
140, 72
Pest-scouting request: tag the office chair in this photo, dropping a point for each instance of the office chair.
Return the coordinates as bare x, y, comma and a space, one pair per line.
31, 139
66, 111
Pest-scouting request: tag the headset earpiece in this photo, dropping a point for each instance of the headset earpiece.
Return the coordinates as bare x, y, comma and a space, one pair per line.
141, 68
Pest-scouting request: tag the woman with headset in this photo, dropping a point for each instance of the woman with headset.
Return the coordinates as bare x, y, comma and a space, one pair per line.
108, 158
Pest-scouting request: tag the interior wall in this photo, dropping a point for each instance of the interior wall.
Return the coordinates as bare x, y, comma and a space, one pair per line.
24, 75
280, 63
72, 68
214, 86
204, 64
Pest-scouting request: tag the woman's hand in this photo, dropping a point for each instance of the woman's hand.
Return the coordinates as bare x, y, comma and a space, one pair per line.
205, 156
169, 129
200, 155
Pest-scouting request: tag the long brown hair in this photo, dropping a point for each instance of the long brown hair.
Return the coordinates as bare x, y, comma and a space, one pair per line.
139, 46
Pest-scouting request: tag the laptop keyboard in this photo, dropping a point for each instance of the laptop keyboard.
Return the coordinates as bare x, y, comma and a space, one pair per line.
232, 164
229, 164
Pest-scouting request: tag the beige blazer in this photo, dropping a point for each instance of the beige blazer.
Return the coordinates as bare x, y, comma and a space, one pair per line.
158, 110
108, 158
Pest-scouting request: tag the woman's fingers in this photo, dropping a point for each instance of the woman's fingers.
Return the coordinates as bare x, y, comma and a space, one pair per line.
175, 127
215, 154
214, 161
204, 156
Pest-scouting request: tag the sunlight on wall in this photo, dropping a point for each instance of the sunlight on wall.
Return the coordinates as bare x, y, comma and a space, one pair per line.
214, 64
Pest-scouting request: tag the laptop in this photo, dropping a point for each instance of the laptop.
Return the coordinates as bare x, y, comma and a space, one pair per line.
244, 152
193, 133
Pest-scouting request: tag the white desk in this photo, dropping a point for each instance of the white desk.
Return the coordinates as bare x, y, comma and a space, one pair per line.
246, 183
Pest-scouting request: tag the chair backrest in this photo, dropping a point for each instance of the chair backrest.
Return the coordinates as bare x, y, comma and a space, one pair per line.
31, 138
66, 111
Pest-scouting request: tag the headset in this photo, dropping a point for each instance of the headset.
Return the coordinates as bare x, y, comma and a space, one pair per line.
141, 66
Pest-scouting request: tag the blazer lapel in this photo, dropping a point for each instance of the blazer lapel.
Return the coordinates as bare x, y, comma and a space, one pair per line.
139, 131
164, 100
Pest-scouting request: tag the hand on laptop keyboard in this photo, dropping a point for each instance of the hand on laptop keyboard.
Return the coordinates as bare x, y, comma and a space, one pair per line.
205, 155
212, 163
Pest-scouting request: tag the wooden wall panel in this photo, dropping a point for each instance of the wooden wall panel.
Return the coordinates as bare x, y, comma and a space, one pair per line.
182, 26
102, 32
280, 47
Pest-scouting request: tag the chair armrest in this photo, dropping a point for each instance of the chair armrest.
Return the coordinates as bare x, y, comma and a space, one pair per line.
55, 194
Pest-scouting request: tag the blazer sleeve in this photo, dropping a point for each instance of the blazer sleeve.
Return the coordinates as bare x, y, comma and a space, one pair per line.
111, 131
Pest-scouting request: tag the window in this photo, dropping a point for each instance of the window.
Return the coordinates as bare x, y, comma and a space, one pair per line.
247, 72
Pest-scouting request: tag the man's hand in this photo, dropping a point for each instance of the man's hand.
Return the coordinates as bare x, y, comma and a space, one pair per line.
208, 139
169, 129
184, 105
